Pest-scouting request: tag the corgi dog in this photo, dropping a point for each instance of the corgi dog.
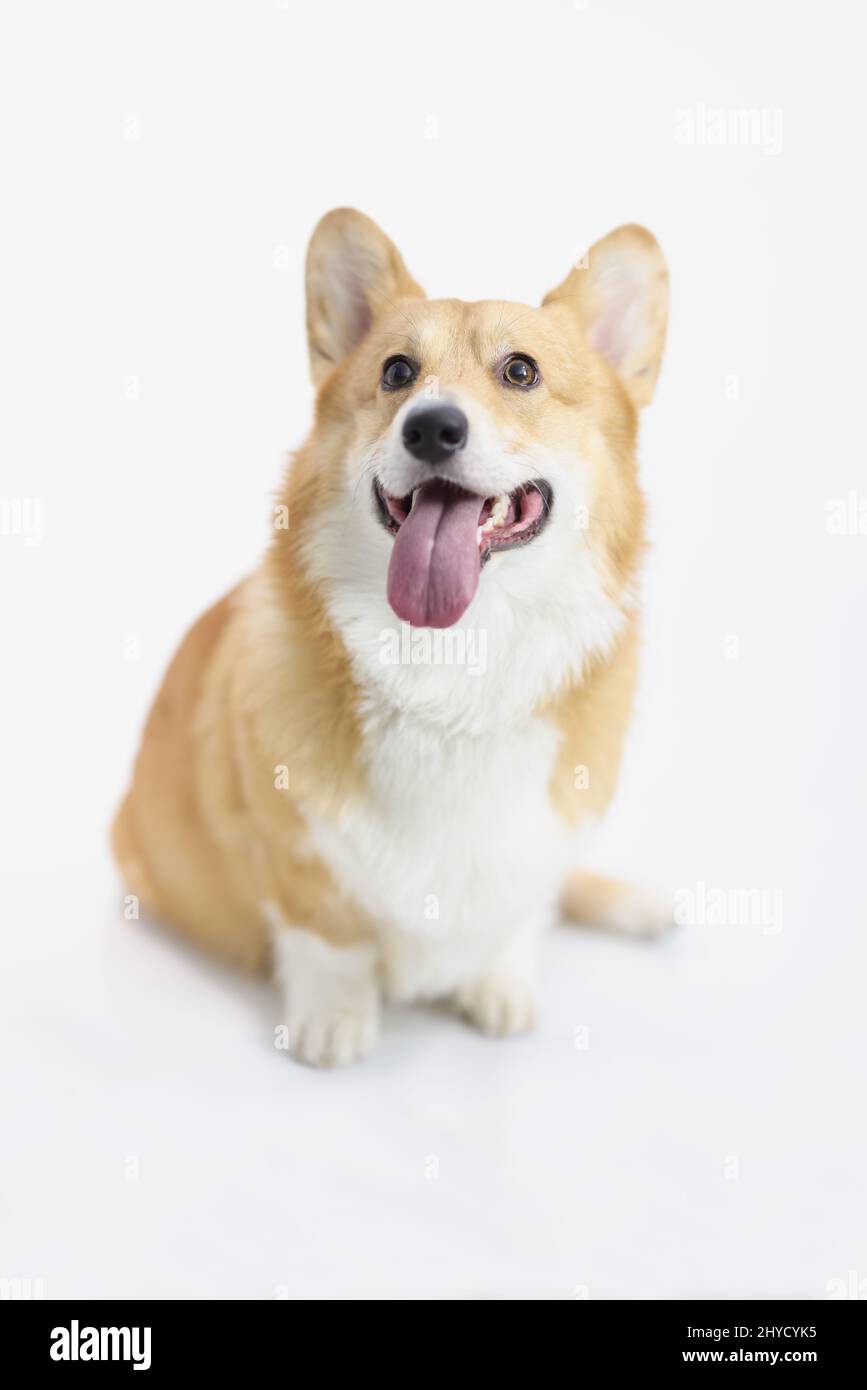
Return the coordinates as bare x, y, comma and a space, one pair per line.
372, 766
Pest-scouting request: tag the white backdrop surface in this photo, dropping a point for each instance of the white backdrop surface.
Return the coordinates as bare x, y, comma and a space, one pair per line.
164, 165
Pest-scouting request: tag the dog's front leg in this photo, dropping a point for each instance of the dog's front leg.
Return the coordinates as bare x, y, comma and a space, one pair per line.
502, 1000
330, 995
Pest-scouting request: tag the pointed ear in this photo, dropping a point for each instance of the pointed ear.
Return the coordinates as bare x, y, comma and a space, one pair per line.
620, 293
352, 270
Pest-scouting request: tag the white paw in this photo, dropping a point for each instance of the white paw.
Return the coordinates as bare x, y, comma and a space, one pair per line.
498, 1005
330, 995
332, 1037
638, 912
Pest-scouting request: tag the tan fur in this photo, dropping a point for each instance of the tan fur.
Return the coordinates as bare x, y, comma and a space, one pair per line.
592, 716
263, 682
206, 834
179, 836
593, 899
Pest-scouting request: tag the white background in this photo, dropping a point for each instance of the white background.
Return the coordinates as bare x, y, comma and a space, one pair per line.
163, 167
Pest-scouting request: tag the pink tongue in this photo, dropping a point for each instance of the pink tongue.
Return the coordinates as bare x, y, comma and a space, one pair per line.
434, 570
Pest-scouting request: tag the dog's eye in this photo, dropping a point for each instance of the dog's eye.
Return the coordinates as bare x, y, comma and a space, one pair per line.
521, 371
398, 372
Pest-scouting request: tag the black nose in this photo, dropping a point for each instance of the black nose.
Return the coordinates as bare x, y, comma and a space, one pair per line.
434, 432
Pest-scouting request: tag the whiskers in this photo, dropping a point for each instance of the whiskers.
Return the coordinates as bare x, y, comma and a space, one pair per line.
359, 493
546, 502
367, 474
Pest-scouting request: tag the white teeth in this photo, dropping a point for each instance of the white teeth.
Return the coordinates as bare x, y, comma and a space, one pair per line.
500, 509
499, 512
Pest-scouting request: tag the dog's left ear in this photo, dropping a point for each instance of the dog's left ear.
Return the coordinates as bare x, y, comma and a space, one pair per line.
353, 269
620, 292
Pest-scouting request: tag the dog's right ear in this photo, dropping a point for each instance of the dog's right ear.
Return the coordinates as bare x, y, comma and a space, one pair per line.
620, 293
352, 270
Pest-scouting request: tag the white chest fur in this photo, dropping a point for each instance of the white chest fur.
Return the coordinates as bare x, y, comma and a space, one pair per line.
455, 849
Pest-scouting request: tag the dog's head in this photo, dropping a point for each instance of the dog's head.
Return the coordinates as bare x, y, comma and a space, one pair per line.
478, 458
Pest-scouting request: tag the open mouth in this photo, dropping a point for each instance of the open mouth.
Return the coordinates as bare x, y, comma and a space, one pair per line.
510, 518
444, 534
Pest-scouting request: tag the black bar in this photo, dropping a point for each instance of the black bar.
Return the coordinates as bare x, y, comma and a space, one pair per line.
229, 1337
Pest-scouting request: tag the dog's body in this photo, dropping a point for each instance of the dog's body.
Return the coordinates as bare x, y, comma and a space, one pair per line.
396, 806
